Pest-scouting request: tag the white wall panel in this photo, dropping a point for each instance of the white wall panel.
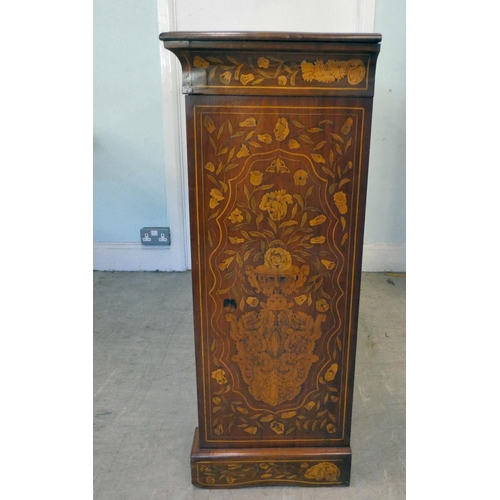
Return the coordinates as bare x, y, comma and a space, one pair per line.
267, 15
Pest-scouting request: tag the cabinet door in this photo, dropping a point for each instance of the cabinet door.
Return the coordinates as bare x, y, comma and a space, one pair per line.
277, 195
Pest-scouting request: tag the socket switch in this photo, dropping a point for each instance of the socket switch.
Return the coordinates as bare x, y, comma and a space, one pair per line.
155, 236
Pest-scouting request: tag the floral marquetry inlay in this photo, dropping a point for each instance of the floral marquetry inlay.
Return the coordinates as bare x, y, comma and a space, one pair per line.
277, 225
280, 71
229, 473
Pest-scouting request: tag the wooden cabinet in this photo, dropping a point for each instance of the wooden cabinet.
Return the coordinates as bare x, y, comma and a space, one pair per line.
278, 137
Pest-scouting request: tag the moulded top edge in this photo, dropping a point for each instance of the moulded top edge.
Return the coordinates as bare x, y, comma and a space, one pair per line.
269, 36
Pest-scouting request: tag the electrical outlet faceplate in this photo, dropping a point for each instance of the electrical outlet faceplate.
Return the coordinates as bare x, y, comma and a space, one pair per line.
155, 236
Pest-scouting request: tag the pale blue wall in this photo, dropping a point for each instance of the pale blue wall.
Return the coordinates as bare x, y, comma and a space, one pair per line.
129, 172
386, 201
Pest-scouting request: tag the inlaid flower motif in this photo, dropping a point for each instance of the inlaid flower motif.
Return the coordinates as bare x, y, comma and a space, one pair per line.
278, 259
278, 166
317, 71
209, 124
356, 72
293, 144
243, 152
300, 177
216, 197
329, 72
322, 305
282, 80
256, 177
262, 62
235, 240
317, 220
318, 240
330, 428
331, 372
204, 468
251, 430
210, 166
308, 71
324, 471
310, 405
276, 203
300, 299
328, 264
216, 400
219, 430
249, 122
236, 216
244, 79
252, 301
265, 138
277, 427
340, 200
225, 77
346, 128
230, 479
199, 62
281, 129
220, 376
225, 263
210, 479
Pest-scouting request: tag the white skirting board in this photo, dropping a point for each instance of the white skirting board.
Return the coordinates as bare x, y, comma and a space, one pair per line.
377, 257
384, 257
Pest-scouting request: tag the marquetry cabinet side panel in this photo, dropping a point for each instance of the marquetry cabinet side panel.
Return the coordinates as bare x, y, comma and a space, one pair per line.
277, 195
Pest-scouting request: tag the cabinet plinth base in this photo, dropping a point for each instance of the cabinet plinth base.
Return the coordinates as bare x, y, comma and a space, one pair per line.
243, 467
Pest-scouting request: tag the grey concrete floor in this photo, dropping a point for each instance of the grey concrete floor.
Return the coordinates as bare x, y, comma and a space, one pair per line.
145, 393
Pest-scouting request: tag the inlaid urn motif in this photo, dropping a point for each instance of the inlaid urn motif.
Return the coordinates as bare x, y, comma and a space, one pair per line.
275, 344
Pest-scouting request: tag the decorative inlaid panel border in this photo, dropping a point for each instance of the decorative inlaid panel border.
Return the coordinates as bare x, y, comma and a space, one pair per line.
259, 473
226, 411
225, 70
